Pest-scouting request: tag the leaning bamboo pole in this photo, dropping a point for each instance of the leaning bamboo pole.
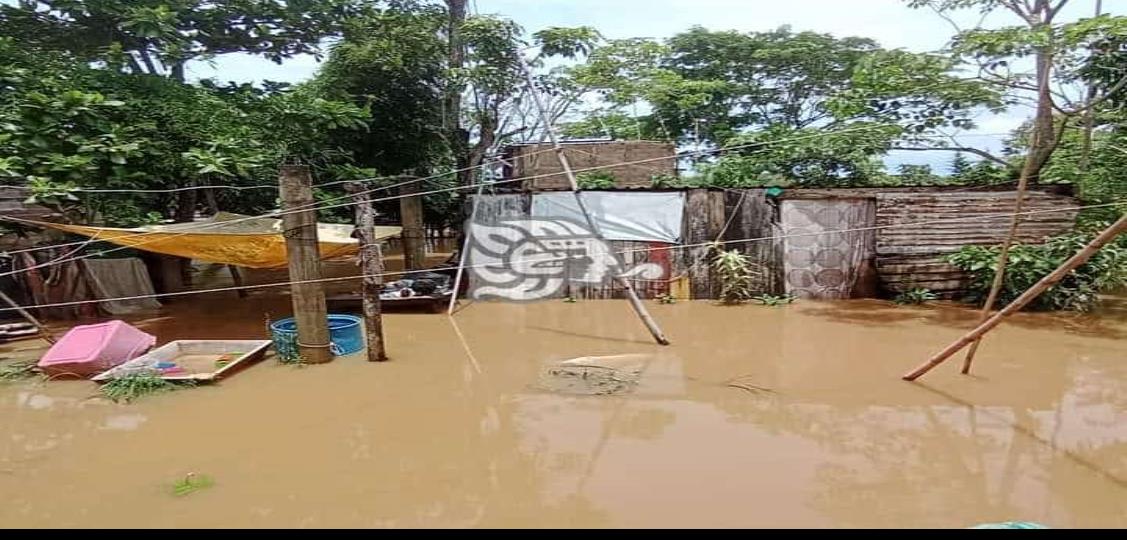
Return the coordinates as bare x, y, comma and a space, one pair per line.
1028, 296
550, 131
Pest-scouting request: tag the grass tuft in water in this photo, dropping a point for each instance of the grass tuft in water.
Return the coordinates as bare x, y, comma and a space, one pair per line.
191, 483
134, 385
15, 371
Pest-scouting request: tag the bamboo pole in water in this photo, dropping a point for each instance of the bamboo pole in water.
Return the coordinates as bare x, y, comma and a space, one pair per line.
550, 131
1033, 292
463, 255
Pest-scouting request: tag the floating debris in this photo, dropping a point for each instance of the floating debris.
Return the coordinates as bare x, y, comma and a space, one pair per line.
593, 375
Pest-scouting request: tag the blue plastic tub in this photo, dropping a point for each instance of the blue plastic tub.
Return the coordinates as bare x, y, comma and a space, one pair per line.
346, 335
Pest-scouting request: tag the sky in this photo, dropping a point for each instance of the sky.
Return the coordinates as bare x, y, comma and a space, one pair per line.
890, 22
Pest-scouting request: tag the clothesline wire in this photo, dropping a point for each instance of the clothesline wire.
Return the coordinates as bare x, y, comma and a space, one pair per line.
354, 196
541, 260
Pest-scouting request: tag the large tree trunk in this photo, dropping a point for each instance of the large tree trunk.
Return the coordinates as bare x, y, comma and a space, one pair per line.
457, 136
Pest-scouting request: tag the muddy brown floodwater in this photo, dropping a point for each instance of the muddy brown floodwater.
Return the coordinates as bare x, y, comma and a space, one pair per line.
756, 416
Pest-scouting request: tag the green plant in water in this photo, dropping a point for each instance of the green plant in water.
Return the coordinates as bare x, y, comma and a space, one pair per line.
772, 300
915, 296
570, 300
134, 385
19, 370
1079, 290
666, 299
191, 483
739, 276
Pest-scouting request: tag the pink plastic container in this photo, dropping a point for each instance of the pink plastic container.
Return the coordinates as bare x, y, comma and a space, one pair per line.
93, 348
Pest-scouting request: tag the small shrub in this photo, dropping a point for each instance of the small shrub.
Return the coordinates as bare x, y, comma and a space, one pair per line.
595, 180
666, 299
1106, 271
740, 278
915, 296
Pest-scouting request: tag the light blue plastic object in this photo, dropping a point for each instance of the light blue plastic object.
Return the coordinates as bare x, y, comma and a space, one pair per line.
1011, 525
346, 335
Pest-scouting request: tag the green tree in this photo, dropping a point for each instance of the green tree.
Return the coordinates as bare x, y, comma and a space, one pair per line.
807, 157
1057, 50
960, 166
160, 36
65, 124
917, 175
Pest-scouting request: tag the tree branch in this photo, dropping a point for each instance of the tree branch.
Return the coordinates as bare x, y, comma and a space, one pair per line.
945, 17
1054, 10
967, 149
1119, 85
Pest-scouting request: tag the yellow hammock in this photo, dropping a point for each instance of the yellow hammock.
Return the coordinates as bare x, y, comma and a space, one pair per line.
226, 239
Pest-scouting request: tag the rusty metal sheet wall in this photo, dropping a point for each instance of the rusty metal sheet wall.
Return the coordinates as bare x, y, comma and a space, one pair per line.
923, 228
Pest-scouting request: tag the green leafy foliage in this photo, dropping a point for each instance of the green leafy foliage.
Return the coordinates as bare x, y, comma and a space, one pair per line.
1079, 290
782, 156
595, 180
64, 124
915, 296
159, 36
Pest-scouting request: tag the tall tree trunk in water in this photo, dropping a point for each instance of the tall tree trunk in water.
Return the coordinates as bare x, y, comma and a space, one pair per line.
1043, 140
457, 135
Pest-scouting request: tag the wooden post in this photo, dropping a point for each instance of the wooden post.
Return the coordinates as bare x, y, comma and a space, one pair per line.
43, 331
371, 265
304, 256
1076, 260
414, 240
237, 279
620, 266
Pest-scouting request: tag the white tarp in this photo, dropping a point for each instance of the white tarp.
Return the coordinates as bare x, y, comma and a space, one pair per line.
647, 217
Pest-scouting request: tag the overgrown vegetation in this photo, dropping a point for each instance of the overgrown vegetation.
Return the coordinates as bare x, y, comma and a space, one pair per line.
1080, 290
128, 388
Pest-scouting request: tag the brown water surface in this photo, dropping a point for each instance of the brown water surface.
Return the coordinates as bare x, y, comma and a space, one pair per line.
756, 416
